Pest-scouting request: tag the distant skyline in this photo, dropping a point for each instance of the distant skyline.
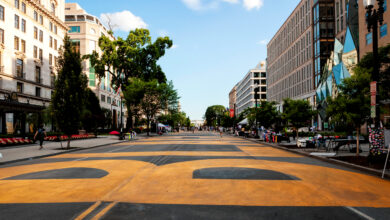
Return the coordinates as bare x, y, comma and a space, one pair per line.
216, 42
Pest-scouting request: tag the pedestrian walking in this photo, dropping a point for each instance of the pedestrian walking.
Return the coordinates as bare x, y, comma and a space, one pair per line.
220, 131
40, 135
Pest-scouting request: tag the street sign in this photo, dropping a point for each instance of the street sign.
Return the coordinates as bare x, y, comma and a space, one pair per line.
373, 100
373, 112
373, 88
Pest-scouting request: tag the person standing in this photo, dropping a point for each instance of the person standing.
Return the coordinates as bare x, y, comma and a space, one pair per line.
40, 134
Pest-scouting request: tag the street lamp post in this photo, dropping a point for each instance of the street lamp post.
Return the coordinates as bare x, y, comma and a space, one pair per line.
256, 95
373, 17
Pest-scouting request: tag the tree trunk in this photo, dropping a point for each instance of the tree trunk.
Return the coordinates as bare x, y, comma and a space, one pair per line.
68, 146
296, 130
148, 126
357, 141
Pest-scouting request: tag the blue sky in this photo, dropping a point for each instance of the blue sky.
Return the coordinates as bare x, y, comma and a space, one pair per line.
215, 41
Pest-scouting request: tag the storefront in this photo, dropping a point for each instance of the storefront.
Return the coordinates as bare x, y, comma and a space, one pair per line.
19, 118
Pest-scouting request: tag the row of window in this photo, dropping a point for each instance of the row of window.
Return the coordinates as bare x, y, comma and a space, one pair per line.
20, 45
109, 100
22, 6
22, 23
20, 89
382, 33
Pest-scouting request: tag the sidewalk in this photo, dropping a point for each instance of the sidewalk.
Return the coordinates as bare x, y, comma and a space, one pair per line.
17, 153
308, 152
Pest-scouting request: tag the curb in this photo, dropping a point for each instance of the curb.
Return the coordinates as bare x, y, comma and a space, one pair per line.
373, 172
59, 153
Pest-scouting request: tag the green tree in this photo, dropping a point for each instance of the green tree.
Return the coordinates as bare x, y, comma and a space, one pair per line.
135, 56
267, 114
93, 116
153, 97
352, 105
297, 113
213, 115
69, 91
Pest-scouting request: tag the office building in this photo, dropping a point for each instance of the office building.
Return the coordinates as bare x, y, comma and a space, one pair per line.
84, 32
31, 33
232, 100
255, 79
299, 50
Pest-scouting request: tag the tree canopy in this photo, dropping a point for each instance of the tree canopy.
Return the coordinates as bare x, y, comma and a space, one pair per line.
213, 115
69, 91
297, 113
135, 56
151, 97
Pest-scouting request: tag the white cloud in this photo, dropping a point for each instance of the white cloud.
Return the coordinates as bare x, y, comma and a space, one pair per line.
263, 42
163, 33
175, 46
253, 4
206, 4
123, 21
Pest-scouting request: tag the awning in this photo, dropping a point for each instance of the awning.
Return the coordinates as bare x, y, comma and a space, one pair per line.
6, 105
243, 122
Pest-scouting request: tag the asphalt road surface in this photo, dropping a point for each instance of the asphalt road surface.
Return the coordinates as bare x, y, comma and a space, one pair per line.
188, 176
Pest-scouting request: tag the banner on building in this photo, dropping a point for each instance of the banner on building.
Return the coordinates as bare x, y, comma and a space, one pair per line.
232, 113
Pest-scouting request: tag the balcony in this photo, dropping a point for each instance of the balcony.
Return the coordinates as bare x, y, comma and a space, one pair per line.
20, 75
38, 80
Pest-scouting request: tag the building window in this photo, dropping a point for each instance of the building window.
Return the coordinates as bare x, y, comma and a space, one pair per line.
40, 35
76, 45
383, 30
103, 98
1, 36
23, 46
55, 44
41, 19
341, 22
92, 79
16, 22
19, 87
35, 15
24, 7
19, 68
74, 29
40, 54
17, 4
37, 74
36, 33
37, 92
50, 59
35, 52
109, 100
23, 26
55, 29
51, 26
52, 79
368, 38
1, 13
51, 42
53, 8
16, 43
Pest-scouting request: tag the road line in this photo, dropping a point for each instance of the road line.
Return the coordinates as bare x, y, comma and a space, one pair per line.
104, 211
119, 149
359, 213
89, 210
81, 159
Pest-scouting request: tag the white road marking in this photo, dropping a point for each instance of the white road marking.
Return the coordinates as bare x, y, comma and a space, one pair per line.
359, 213
119, 149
